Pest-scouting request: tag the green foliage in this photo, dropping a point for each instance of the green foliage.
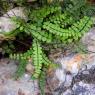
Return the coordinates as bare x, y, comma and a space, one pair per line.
24, 56
41, 14
37, 58
21, 2
49, 24
21, 68
79, 8
7, 47
39, 34
5, 6
42, 81
63, 20
72, 33
23, 59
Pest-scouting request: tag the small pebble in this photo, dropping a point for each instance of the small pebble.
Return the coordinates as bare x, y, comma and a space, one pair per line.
30, 68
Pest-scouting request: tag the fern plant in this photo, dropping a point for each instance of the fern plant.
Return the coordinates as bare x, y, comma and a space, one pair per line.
79, 8
48, 25
42, 81
37, 58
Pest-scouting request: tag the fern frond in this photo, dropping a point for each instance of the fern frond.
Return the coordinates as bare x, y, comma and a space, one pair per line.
74, 32
61, 19
17, 56
48, 63
39, 14
37, 58
21, 68
79, 8
22, 56
39, 34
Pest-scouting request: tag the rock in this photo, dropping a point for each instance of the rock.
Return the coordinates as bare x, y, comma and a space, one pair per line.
82, 88
52, 82
72, 65
49, 1
8, 86
68, 80
60, 74
89, 40
81, 84
30, 68
6, 23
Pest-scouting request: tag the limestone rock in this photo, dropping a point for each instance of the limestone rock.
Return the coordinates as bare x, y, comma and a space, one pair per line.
89, 40
71, 63
60, 75
8, 86
30, 68
83, 83
6, 24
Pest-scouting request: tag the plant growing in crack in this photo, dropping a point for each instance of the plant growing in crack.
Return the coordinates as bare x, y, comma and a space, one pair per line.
47, 25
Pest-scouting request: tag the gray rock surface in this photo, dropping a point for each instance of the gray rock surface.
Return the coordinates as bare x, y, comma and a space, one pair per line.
81, 84
76, 74
9, 86
80, 88
89, 40
7, 24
